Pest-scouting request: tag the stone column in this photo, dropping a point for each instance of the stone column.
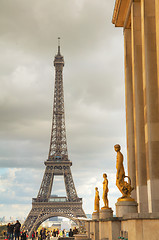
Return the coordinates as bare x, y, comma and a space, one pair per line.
157, 37
138, 105
96, 230
88, 228
151, 104
129, 109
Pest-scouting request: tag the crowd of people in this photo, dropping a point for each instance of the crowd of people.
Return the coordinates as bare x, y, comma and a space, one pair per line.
14, 233
44, 234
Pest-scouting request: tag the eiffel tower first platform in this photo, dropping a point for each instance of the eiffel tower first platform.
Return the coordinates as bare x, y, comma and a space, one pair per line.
45, 205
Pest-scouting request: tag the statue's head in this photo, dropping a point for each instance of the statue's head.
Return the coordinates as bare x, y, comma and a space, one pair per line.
104, 175
117, 147
96, 188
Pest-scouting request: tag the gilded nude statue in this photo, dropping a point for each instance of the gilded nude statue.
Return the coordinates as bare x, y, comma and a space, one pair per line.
105, 191
96, 201
123, 186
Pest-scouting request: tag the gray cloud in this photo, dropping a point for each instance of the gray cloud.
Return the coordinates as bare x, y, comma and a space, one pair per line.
93, 89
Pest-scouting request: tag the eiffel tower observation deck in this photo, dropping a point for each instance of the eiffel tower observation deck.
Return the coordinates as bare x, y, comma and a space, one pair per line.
44, 205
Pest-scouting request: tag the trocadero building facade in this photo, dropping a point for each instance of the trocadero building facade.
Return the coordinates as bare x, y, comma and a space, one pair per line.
140, 22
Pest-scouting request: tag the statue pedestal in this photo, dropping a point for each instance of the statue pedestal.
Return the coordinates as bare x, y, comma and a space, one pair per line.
95, 216
125, 207
105, 213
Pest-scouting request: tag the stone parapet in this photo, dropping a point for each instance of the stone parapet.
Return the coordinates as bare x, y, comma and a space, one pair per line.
135, 226
81, 237
141, 216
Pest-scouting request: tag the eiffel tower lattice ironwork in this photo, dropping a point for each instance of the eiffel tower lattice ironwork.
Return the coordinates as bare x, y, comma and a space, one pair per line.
45, 205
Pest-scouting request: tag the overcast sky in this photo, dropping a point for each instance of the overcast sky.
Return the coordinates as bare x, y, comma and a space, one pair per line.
94, 97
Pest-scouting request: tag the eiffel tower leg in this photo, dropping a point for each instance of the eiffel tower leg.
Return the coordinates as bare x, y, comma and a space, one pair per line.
46, 185
30, 220
69, 185
33, 220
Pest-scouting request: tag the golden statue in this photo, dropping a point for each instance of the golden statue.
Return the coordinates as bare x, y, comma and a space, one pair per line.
105, 191
96, 201
124, 187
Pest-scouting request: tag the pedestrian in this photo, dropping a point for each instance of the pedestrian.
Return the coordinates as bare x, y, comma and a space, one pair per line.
36, 235
33, 236
4, 234
27, 235
70, 233
24, 235
8, 231
17, 229
54, 233
63, 232
43, 234
57, 232
75, 230
12, 230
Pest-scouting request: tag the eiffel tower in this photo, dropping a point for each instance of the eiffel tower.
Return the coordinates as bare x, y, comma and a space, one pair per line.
45, 205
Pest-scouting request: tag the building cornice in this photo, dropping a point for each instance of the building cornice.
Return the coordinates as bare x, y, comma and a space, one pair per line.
116, 11
121, 14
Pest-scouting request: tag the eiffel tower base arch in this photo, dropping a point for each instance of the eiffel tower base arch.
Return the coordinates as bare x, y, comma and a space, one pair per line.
41, 211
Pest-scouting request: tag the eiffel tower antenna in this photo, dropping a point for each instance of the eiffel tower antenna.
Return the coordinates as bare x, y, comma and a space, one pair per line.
59, 45
44, 205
